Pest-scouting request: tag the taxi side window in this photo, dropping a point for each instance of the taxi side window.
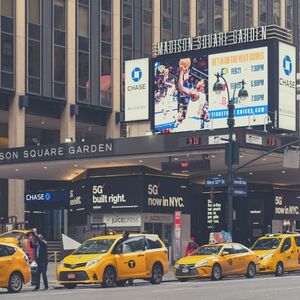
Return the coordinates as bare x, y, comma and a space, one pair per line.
239, 249
153, 243
229, 249
6, 251
286, 245
297, 241
133, 244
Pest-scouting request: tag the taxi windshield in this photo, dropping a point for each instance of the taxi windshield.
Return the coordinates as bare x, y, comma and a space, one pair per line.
207, 250
267, 244
94, 247
13, 234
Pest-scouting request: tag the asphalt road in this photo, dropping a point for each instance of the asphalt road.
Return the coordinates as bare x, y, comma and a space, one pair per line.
261, 287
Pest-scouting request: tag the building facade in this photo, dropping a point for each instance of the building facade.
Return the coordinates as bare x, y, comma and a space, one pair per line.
62, 63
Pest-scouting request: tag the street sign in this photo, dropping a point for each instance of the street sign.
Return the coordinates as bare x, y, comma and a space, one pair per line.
216, 181
240, 191
239, 181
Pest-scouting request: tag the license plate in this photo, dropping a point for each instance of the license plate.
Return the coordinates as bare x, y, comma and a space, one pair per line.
185, 270
71, 276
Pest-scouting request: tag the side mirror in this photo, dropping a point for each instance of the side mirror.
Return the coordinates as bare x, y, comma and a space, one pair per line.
225, 253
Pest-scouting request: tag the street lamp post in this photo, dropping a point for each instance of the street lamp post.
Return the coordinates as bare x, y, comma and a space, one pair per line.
230, 158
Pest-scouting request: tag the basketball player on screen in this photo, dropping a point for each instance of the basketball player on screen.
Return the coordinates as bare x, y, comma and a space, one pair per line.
192, 93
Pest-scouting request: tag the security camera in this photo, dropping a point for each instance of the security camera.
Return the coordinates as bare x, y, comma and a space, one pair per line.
205, 156
254, 119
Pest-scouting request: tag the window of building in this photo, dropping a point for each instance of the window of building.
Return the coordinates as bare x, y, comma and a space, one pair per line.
184, 18
147, 27
263, 12
166, 20
218, 15
233, 11
83, 51
105, 53
202, 17
59, 50
34, 46
276, 12
7, 38
248, 14
289, 14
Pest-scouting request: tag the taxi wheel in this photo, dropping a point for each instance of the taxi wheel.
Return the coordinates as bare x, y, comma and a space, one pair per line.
70, 286
279, 269
15, 283
157, 274
216, 273
109, 277
251, 270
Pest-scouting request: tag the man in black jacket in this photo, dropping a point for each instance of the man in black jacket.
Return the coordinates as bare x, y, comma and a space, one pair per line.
41, 255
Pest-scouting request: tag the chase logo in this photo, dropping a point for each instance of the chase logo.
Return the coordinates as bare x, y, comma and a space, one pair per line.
47, 196
136, 74
287, 65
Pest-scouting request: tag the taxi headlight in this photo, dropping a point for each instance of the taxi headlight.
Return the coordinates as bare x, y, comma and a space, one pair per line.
92, 262
201, 263
62, 263
268, 256
176, 265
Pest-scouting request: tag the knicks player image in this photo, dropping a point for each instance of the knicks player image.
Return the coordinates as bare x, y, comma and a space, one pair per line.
193, 100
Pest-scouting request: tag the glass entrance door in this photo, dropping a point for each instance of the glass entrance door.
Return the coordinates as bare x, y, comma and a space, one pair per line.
163, 230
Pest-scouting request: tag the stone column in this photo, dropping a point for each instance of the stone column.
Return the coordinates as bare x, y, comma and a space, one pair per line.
16, 115
193, 17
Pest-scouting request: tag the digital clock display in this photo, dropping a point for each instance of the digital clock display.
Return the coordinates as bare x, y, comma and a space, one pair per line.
193, 140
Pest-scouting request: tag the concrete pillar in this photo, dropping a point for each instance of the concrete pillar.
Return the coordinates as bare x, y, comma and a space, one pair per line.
113, 128
156, 21
282, 13
67, 123
255, 12
225, 15
16, 115
193, 17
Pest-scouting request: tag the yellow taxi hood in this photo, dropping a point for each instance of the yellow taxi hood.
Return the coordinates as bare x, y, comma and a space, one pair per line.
193, 259
262, 253
81, 258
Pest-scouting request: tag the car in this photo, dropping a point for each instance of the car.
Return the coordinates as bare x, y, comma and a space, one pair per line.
14, 268
15, 236
216, 261
112, 260
278, 253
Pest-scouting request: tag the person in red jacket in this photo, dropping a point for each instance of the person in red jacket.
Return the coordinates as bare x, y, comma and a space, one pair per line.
191, 247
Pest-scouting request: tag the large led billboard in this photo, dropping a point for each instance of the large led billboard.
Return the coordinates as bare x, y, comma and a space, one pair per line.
184, 99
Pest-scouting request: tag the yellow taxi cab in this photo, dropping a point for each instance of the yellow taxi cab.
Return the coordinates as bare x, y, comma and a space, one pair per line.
278, 253
112, 260
217, 260
14, 268
15, 237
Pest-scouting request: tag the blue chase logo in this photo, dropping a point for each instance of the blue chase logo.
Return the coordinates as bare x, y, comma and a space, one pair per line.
287, 65
47, 196
136, 74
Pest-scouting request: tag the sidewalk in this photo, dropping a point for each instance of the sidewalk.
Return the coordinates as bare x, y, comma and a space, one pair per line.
52, 275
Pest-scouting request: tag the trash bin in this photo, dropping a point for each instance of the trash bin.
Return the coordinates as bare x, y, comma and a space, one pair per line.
34, 272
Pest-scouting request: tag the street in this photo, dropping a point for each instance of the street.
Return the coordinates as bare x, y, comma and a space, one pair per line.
261, 287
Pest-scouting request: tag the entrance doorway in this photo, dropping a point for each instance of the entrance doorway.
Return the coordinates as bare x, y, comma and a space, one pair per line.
163, 230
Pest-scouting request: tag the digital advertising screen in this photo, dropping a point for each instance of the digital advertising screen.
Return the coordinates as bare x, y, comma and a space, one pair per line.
184, 99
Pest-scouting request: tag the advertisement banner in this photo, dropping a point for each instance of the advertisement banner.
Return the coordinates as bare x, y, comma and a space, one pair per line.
286, 205
165, 195
123, 220
184, 99
137, 90
77, 197
287, 87
107, 194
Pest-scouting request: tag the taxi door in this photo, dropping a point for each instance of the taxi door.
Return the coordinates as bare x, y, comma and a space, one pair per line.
297, 249
241, 259
288, 254
229, 261
5, 264
130, 258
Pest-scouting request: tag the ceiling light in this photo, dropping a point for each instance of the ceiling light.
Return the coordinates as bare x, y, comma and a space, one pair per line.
140, 161
43, 122
264, 159
219, 175
16, 170
75, 165
283, 172
45, 167
250, 173
175, 158
213, 156
241, 156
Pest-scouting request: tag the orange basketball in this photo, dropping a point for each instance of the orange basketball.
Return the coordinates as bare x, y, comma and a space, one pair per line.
185, 62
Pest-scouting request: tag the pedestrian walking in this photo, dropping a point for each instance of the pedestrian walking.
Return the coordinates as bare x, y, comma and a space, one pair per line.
41, 254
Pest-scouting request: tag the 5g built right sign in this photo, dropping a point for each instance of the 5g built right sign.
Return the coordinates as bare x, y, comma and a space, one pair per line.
287, 87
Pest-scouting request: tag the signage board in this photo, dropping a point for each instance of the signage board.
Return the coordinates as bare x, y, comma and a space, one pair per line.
287, 87
184, 99
165, 195
137, 89
254, 139
77, 197
219, 139
286, 205
123, 220
47, 196
107, 194
213, 213
216, 181
240, 191
177, 252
